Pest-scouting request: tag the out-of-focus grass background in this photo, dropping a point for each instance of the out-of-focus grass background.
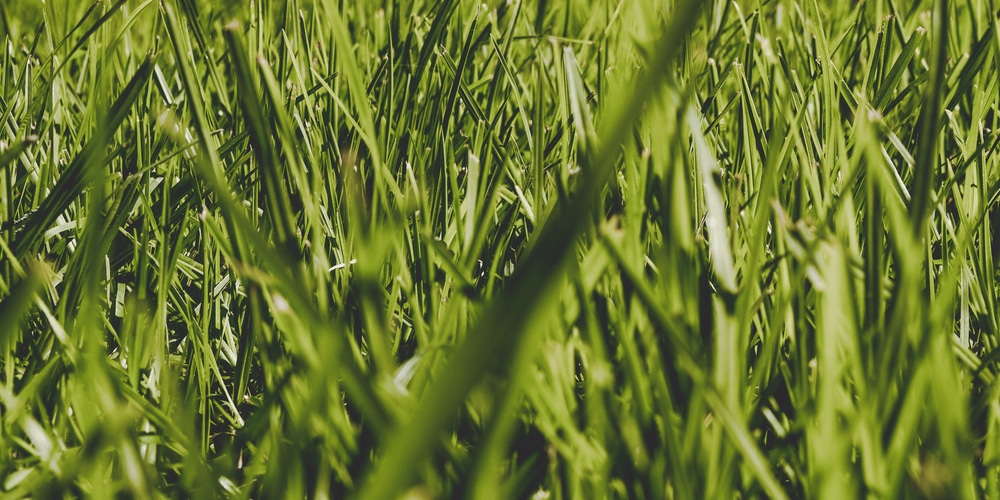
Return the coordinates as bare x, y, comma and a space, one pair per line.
538, 248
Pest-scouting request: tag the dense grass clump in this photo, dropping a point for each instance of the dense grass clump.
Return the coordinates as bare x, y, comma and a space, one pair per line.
513, 249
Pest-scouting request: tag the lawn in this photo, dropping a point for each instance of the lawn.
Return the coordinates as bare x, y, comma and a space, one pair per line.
516, 249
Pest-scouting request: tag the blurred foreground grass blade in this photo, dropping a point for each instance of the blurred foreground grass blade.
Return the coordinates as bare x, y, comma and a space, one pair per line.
72, 180
500, 334
925, 170
14, 150
837, 363
14, 305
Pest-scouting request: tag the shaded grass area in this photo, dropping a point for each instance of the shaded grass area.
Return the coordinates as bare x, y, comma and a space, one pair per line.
550, 249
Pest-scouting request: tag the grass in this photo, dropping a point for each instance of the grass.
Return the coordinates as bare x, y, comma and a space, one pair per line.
546, 249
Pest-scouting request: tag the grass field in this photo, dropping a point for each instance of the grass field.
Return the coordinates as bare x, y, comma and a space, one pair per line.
516, 249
